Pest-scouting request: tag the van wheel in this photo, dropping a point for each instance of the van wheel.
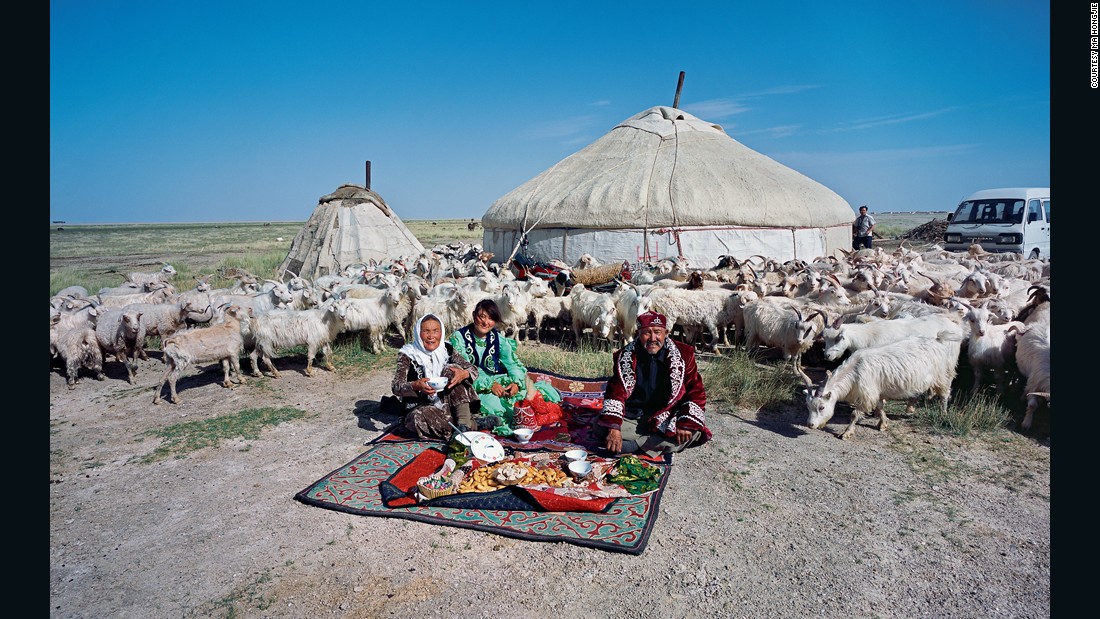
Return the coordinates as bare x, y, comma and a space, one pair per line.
1034, 254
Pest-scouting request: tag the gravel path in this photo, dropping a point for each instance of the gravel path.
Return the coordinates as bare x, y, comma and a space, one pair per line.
770, 519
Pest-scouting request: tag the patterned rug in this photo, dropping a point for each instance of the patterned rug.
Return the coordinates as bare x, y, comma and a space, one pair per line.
374, 484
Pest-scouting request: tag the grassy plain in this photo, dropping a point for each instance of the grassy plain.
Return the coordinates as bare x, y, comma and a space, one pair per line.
891, 225
100, 255
97, 256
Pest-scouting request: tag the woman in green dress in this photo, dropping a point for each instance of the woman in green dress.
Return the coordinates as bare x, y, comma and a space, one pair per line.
502, 377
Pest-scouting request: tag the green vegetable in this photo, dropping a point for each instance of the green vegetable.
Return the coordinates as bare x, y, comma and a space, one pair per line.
636, 476
458, 452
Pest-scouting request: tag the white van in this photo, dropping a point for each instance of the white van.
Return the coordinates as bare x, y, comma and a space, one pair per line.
1014, 219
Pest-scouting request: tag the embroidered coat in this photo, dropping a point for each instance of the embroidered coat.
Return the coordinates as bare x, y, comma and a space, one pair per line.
685, 409
408, 372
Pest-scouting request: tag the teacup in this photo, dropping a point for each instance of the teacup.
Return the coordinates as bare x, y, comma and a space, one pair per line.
438, 382
579, 469
576, 455
523, 434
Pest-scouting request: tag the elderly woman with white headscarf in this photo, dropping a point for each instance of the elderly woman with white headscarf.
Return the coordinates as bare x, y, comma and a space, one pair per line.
430, 413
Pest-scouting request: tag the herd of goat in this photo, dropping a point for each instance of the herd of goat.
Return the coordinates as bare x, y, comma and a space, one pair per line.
899, 323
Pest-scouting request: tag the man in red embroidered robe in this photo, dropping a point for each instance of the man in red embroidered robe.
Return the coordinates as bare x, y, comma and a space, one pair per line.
655, 403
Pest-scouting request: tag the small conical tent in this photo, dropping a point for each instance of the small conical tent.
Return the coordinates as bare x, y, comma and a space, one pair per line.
661, 184
351, 225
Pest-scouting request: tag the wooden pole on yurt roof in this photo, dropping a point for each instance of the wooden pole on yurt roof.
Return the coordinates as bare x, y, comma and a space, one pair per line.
675, 104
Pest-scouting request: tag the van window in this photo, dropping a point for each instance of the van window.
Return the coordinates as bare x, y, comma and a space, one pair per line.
965, 212
1046, 207
989, 211
1033, 209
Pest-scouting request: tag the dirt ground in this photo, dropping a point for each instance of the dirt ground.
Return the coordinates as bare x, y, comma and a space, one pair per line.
770, 519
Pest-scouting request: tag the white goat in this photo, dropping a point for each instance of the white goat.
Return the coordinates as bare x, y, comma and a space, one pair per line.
991, 347
513, 303
558, 310
694, 311
313, 328
904, 369
164, 319
147, 280
537, 286
79, 348
586, 261
200, 294
219, 342
72, 292
72, 314
371, 316
592, 310
1033, 361
454, 308
117, 331
849, 337
630, 301
772, 322
157, 295
666, 271
277, 297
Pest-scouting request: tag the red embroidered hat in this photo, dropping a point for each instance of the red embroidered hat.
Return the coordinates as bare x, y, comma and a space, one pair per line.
652, 319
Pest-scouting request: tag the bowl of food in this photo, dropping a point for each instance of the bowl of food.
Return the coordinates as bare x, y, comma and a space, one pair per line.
576, 455
580, 469
438, 382
510, 473
523, 434
432, 487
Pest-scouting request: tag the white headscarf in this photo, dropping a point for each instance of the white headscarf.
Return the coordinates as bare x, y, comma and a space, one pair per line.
432, 362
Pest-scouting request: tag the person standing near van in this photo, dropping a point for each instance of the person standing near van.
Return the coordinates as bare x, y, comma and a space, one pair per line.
861, 230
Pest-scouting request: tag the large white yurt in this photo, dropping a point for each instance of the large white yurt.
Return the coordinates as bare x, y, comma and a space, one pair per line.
352, 225
665, 184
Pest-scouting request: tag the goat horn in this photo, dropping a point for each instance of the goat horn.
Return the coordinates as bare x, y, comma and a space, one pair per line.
962, 302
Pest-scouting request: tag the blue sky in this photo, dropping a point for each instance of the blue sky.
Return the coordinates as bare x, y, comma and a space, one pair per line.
250, 111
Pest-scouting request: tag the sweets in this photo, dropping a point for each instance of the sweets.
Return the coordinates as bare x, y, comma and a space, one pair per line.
432, 487
489, 478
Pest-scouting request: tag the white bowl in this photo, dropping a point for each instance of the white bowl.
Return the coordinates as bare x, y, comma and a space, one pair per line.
576, 455
438, 382
523, 434
580, 468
